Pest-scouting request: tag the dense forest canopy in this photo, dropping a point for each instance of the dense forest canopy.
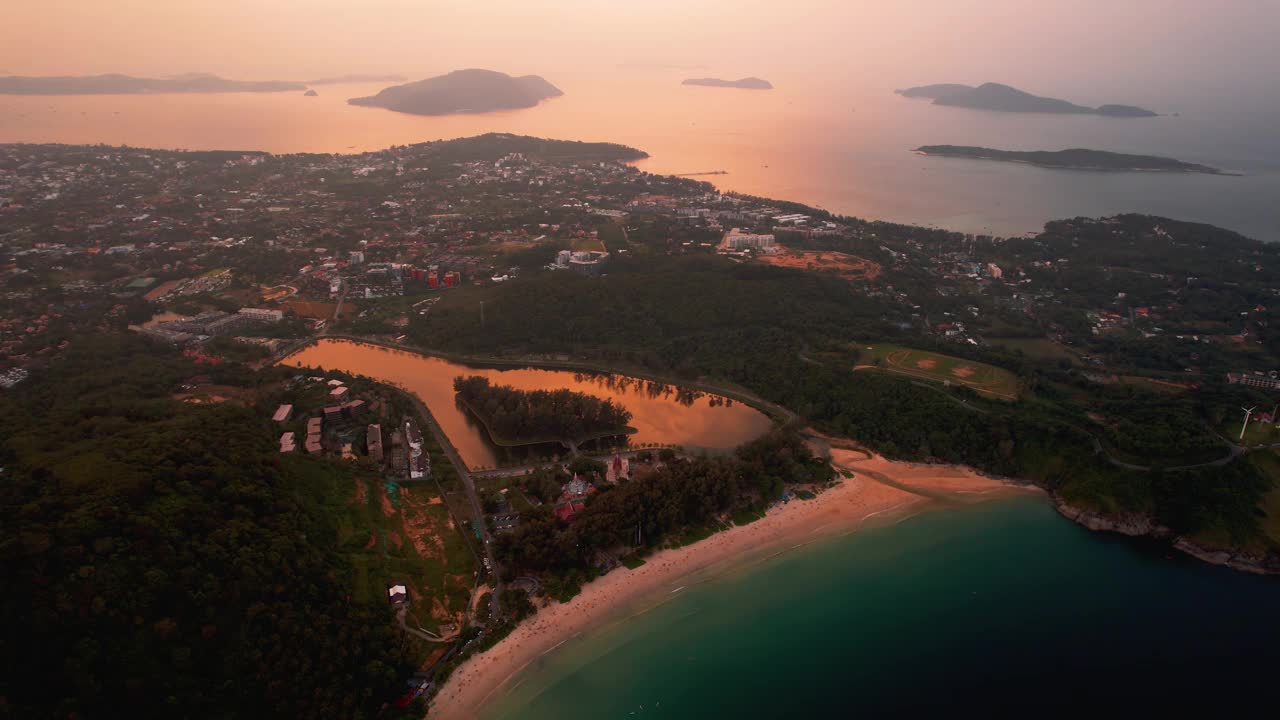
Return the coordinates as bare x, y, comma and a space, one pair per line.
527, 416
763, 328
159, 557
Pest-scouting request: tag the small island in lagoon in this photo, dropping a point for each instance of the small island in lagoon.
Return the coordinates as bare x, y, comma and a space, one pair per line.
531, 417
1072, 159
1003, 98
747, 83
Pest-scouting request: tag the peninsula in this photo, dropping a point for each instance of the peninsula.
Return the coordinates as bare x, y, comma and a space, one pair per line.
747, 83
1071, 159
461, 92
1003, 98
116, 84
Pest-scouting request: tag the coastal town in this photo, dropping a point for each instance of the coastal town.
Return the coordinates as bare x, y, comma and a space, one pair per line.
188, 247
245, 260
570, 360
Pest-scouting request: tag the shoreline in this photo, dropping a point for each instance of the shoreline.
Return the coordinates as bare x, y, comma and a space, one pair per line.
851, 505
774, 411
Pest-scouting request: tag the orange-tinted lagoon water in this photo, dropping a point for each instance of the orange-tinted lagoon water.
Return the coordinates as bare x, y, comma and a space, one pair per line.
661, 413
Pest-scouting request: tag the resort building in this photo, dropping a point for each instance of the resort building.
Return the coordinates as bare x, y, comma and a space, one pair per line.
588, 263
735, 239
262, 315
373, 441
1268, 381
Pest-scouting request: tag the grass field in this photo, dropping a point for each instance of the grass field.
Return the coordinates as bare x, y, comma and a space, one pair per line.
1259, 433
1038, 349
509, 483
986, 379
395, 534
1154, 384
1269, 463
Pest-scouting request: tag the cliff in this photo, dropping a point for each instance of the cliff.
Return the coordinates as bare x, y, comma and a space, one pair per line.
1138, 525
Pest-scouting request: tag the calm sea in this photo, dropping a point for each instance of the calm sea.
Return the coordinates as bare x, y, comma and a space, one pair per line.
843, 145
998, 609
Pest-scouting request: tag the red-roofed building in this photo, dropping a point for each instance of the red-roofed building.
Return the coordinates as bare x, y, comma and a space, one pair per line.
567, 511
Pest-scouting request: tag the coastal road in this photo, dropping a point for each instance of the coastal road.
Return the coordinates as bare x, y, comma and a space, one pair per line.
429, 637
469, 485
515, 470
342, 298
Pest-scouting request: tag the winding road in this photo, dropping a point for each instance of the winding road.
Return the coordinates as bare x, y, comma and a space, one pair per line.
468, 484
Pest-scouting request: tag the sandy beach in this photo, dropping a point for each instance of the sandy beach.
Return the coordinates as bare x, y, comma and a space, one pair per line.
880, 491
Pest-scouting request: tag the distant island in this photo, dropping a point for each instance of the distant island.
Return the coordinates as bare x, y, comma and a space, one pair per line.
356, 79
115, 84
748, 83
1072, 159
1003, 98
310, 93
463, 91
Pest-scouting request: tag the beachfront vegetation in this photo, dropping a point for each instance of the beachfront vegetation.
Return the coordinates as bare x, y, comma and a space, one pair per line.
679, 498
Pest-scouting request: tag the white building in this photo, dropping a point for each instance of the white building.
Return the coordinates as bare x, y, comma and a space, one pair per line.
262, 314
735, 239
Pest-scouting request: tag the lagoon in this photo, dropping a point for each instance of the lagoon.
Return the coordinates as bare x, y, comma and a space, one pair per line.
661, 414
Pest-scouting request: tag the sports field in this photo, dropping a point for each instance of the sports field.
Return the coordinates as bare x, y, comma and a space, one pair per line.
986, 379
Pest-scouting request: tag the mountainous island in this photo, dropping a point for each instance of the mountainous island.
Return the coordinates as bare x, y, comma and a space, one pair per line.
463, 91
116, 84
1003, 98
747, 83
1071, 159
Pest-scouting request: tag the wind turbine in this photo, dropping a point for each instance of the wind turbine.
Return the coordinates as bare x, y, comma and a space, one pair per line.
1247, 413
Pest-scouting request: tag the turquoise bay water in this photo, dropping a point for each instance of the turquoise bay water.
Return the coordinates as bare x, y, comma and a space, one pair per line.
996, 609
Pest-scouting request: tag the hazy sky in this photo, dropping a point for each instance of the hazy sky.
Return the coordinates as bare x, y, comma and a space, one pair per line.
1059, 46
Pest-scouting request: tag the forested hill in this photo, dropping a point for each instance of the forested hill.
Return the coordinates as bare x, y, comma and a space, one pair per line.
159, 560
1071, 159
493, 146
1169, 247
794, 338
